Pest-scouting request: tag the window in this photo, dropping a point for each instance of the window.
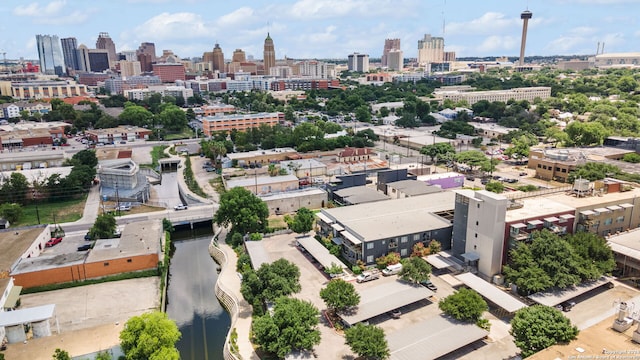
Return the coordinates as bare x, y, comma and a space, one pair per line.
129, 260
106, 264
476, 235
608, 221
478, 206
620, 219
369, 259
369, 246
404, 239
564, 170
403, 252
539, 166
416, 237
476, 223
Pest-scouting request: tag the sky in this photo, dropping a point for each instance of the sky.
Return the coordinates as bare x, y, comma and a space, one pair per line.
326, 28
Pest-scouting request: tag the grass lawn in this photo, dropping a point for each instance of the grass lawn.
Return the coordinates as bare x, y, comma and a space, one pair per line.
185, 134
62, 211
277, 221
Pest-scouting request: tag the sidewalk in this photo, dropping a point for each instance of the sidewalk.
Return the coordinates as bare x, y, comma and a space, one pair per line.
230, 281
91, 207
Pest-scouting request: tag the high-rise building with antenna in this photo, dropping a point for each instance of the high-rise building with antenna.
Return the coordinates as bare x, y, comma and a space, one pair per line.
218, 58
430, 50
269, 54
525, 16
104, 42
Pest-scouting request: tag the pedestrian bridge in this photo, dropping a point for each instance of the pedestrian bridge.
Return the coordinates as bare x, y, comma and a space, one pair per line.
192, 215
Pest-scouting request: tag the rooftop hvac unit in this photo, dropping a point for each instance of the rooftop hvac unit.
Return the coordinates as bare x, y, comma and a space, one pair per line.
581, 185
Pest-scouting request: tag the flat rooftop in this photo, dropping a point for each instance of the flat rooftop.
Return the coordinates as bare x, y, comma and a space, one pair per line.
384, 219
591, 201
38, 174
259, 180
44, 262
414, 187
257, 253
432, 338
557, 296
293, 194
536, 207
138, 238
376, 301
629, 239
360, 195
14, 243
250, 154
491, 293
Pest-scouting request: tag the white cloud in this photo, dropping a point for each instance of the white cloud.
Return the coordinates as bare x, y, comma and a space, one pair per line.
565, 44
239, 16
489, 23
322, 9
637, 33
495, 43
172, 26
35, 10
582, 31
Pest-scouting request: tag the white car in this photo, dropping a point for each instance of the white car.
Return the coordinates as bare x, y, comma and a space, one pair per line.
180, 207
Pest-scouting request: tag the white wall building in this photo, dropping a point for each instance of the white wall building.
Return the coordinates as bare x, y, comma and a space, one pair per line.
358, 62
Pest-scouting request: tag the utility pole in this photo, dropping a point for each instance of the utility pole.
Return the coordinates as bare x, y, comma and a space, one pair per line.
117, 200
36, 202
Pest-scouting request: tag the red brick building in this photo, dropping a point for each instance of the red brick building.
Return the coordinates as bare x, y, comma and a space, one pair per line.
169, 73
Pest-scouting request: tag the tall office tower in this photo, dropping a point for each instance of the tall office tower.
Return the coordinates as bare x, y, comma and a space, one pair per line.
395, 60
207, 57
525, 16
70, 53
218, 58
99, 60
149, 49
145, 62
129, 68
269, 54
389, 44
105, 42
430, 50
50, 54
83, 58
358, 62
239, 56
449, 56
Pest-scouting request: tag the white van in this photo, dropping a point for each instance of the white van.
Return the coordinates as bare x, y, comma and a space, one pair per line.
392, 269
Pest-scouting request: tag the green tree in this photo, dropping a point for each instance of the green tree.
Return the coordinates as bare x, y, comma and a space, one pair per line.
85, 157
15, 189
415, 270
495, 186
302, 222
136, 115
596, 255
434, 247
627, 83
214, 150
586, 134
367, 341
173, 118
438, 151
12, 212
270, 281
104, 227
244, 211
473, 158
593, 171
293, 326
150, 336
547, 262
339, 295
537, 327
464, 305
104, 355
60, 354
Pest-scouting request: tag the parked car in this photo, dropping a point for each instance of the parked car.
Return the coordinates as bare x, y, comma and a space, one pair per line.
87, 237
523, 174
395, 314
84, 247
180, 207
392, 269
471, 178
124, 207
567, 305
54, 241
367, 276
510, 181
429, 285
484, 181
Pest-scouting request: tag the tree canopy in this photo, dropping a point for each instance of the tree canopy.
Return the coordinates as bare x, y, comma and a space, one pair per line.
537, 327
339, 295
244, 211
464, 305
270, 281
593, 171
293, 326
104, 227
415, 270
302, 222
495, 186
150, 336
438, 151
367, 341
552, 261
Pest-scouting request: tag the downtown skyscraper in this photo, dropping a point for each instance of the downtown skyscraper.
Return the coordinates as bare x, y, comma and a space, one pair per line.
70, 53
50, 55
269, 54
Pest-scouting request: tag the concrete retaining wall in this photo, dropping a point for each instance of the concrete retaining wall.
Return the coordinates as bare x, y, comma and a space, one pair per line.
226, 297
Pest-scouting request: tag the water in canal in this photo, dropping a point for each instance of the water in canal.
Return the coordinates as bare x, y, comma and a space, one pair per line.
191, 299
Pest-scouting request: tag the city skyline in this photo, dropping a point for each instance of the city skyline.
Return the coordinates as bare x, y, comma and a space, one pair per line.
325, 28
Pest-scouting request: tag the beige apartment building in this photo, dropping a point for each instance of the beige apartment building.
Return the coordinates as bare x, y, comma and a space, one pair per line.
240, 122
472, 97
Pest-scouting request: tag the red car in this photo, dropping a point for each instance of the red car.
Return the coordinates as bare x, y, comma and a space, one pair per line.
53, 241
